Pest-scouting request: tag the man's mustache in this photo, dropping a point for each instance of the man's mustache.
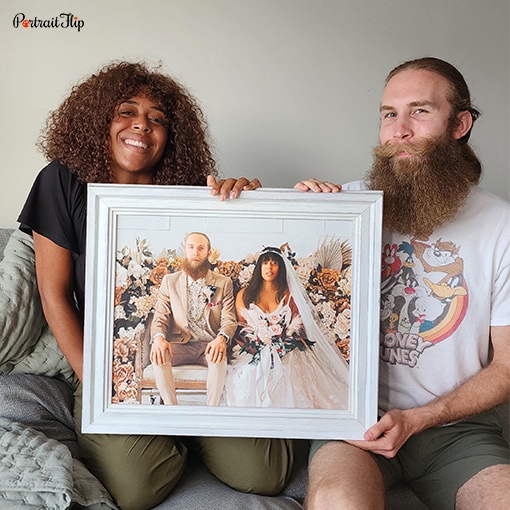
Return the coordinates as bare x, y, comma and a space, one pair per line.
390, 150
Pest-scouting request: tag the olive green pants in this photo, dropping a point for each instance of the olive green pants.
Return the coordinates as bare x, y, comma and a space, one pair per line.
140, 471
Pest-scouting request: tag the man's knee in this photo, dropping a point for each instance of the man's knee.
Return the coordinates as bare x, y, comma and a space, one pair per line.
340, 471
489, 488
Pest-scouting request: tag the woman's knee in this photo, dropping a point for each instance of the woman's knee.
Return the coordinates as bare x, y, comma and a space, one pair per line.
138, 471
253, 465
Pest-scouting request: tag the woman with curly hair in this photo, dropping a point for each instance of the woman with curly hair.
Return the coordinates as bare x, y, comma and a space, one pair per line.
79, 133
128, 124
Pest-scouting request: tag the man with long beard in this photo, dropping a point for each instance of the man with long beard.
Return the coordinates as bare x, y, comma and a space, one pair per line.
194, 318
445, 330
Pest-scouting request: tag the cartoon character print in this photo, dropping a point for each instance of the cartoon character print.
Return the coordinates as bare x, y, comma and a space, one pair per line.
423, 298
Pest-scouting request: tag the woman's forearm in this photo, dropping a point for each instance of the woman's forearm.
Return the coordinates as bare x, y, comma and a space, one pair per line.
66, 325
55, 279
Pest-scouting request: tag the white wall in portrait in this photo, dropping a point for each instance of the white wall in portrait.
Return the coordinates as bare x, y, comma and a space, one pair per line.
251, 236
291, 88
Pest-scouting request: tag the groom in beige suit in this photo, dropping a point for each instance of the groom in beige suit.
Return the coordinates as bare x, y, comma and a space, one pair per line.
194, 319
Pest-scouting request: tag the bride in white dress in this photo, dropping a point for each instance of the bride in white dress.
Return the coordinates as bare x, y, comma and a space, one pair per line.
287, 358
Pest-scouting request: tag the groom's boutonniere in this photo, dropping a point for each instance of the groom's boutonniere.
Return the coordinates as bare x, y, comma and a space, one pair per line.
209, 293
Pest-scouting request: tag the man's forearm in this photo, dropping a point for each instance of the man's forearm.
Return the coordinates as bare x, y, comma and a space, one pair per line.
483, 391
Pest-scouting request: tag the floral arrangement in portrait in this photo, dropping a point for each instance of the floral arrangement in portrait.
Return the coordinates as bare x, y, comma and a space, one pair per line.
329, 286
325, 274
279, 329
137, 278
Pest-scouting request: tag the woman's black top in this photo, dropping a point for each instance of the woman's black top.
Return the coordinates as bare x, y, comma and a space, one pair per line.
56, 208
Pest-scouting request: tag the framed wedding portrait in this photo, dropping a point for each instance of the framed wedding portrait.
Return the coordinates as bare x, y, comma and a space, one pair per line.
302, 364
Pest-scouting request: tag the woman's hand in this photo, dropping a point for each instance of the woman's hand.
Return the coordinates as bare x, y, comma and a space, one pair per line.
318, 186
231, 188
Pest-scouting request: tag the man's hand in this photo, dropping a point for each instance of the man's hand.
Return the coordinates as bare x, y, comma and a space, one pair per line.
158, 350
231, 188
217, 349
318, 186
388, 435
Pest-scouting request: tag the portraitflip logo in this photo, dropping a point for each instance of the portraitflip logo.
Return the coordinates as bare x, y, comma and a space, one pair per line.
65, 20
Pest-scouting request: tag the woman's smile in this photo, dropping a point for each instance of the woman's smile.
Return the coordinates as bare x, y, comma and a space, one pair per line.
138, 136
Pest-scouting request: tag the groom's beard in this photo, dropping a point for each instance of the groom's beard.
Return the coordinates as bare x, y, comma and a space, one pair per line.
423, 191
196, 270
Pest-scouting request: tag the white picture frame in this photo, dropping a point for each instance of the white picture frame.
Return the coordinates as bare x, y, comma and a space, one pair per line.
120, 214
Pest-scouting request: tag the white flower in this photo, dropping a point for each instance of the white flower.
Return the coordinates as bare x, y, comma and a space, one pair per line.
129, 334
134, 269
295, 325
143, 304
145, 272
343, 324
275, 329
208, 292
274, 318
345, 282
121, 276
119, 312
265, 335
327, 312
245, 275
303, 273
260, 323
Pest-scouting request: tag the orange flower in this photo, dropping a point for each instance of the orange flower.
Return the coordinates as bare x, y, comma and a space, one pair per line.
342, 304
175, 265
121, 350
345, 348
163, 261
118, 293
229, 268
328, 278
122, 373
158, 273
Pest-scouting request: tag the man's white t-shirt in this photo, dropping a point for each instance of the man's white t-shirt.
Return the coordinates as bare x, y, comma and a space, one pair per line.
439, 298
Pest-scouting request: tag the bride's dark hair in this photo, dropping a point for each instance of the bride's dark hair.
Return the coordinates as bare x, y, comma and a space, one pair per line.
252, 291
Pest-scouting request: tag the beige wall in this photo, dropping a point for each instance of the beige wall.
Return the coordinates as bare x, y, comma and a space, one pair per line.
290, 87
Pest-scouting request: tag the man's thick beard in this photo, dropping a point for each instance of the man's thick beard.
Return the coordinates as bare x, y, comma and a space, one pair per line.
198, 271
424, 191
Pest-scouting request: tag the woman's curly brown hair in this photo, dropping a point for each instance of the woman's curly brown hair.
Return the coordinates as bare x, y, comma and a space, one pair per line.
77, 133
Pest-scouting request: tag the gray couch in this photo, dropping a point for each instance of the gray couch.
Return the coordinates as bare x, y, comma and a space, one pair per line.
199, 489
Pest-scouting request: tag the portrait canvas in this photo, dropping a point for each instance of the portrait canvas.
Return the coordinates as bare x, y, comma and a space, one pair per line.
304, 366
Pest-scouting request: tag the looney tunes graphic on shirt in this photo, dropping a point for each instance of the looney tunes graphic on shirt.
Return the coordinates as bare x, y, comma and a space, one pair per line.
424, 297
